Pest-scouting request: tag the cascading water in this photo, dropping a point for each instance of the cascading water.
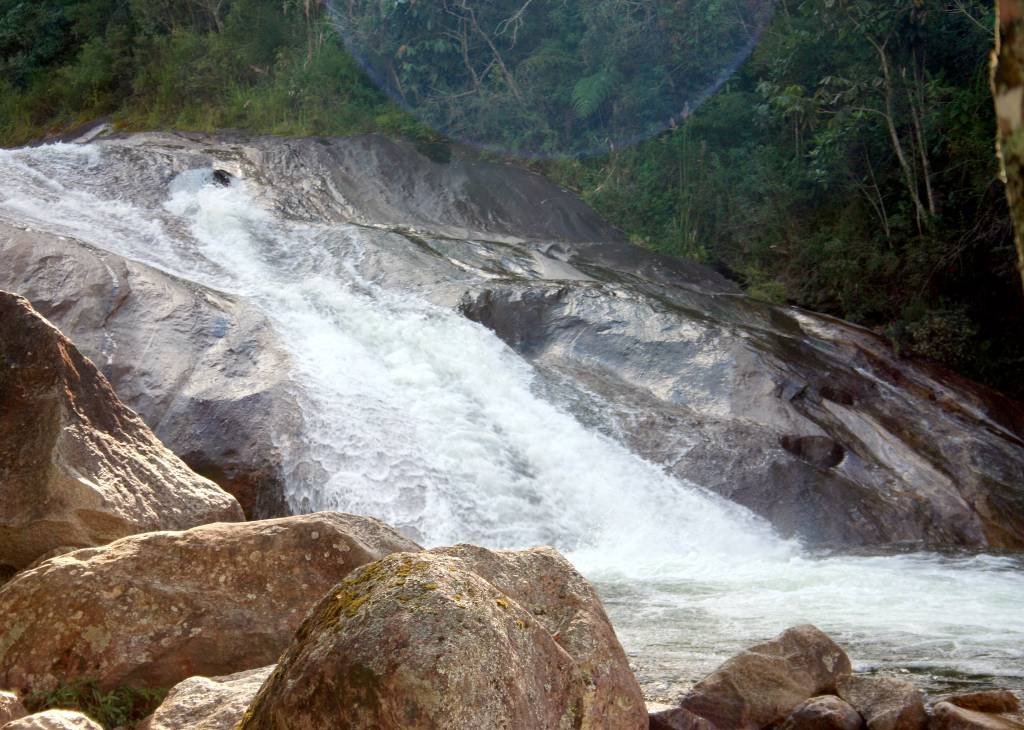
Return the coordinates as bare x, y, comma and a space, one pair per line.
417, 416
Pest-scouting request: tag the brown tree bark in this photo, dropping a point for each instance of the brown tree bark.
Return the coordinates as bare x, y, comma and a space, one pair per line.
1008, 92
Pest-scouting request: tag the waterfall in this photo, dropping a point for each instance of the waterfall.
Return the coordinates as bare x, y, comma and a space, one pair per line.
428, 421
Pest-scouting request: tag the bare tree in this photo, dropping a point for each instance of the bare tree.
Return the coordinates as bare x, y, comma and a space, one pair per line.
1008, 92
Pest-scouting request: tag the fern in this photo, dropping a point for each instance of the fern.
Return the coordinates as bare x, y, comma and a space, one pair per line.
591, 92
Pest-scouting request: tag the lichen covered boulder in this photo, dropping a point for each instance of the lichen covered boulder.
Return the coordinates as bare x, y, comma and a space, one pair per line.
77, 467
422, 641
207, 703
563, 601
762, 685
152, 610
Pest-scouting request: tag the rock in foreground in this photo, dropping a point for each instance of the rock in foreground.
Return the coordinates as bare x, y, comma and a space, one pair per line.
824, 713
421, 641
205, 371
54, 720
78, 468
205, 703
947, 716
563, 602
764, 684
10, 708
154, 609
885, 703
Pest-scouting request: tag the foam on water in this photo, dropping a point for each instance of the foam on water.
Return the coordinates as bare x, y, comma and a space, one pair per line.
428, 421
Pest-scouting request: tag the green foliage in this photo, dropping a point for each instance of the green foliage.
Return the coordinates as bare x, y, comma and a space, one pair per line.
122, 707
847, 167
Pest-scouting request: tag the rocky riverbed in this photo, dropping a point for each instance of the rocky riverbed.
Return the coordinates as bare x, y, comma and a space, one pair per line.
317, 329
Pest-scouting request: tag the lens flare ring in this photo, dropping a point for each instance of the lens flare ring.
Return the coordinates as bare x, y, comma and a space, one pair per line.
539, 78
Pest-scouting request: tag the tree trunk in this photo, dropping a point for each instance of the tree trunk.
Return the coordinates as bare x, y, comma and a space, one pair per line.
1008, 91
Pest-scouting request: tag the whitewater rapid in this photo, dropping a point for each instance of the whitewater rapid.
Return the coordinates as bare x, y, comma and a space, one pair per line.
428, 421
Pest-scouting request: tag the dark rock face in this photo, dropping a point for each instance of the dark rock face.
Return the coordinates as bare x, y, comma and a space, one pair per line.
809, 422
204, 370
78, 468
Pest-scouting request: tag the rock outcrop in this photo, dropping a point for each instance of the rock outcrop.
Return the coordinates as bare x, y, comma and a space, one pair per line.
203, 369
155, 609
54, 720
207, 703
763, 685
812, 423
423, 641
885, 703
78, 468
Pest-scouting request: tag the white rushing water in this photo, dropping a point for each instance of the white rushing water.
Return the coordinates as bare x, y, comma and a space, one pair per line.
429, 422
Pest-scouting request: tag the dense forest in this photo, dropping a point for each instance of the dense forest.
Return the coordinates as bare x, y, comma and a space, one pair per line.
847, 166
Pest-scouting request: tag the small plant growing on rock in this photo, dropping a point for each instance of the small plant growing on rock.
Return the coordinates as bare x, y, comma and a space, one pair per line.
123, 707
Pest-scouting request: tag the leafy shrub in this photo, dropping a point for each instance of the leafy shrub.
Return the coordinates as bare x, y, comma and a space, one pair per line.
121, 707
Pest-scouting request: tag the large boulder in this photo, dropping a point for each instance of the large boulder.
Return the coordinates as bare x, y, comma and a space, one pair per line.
54, 720
203, 369
154, 609
207, 703
885, 703
563, 602
764, 684
78, 468
423, 641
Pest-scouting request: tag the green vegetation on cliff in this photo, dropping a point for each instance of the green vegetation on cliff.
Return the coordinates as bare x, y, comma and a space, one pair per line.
847, 167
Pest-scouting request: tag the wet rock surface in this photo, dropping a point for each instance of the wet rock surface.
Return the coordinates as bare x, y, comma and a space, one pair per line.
204, 370
424, 641
809, 422
152, 610
78, 468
